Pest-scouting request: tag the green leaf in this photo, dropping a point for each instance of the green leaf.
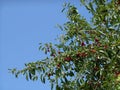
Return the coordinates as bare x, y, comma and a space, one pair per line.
43, 79
71, 73
26, 76
30, 76
13, 70
57, 87
32, 71
66, 81
59, 26
118, 56
57, 72
104, 53
16, 75
52, 86
35, 78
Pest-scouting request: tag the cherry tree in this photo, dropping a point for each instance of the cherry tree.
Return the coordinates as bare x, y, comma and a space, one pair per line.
87, 56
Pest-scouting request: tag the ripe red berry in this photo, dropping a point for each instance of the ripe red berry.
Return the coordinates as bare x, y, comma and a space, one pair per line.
59, 52
49, 75
96, 40
82, 44
98, 44
105, 46
68, 58
78, 55
58, 65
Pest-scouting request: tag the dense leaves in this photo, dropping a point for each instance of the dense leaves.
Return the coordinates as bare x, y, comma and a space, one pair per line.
88, 55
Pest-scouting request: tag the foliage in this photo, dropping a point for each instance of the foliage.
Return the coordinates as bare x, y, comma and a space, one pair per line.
88, 55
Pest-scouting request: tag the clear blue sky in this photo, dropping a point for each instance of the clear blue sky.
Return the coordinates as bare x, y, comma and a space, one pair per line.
23, 25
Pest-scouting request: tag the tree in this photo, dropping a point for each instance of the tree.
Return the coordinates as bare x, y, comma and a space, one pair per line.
88, 54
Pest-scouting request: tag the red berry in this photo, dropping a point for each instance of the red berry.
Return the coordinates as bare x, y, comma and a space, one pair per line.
98, 44
49, 75
59, 52
96, 40
82, 44
68, 59
105, 46
58, 65
78, 54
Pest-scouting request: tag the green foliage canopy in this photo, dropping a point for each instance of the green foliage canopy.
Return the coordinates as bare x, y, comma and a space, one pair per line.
88, 54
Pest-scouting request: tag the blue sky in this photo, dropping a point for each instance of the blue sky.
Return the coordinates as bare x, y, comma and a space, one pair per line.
23, 25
